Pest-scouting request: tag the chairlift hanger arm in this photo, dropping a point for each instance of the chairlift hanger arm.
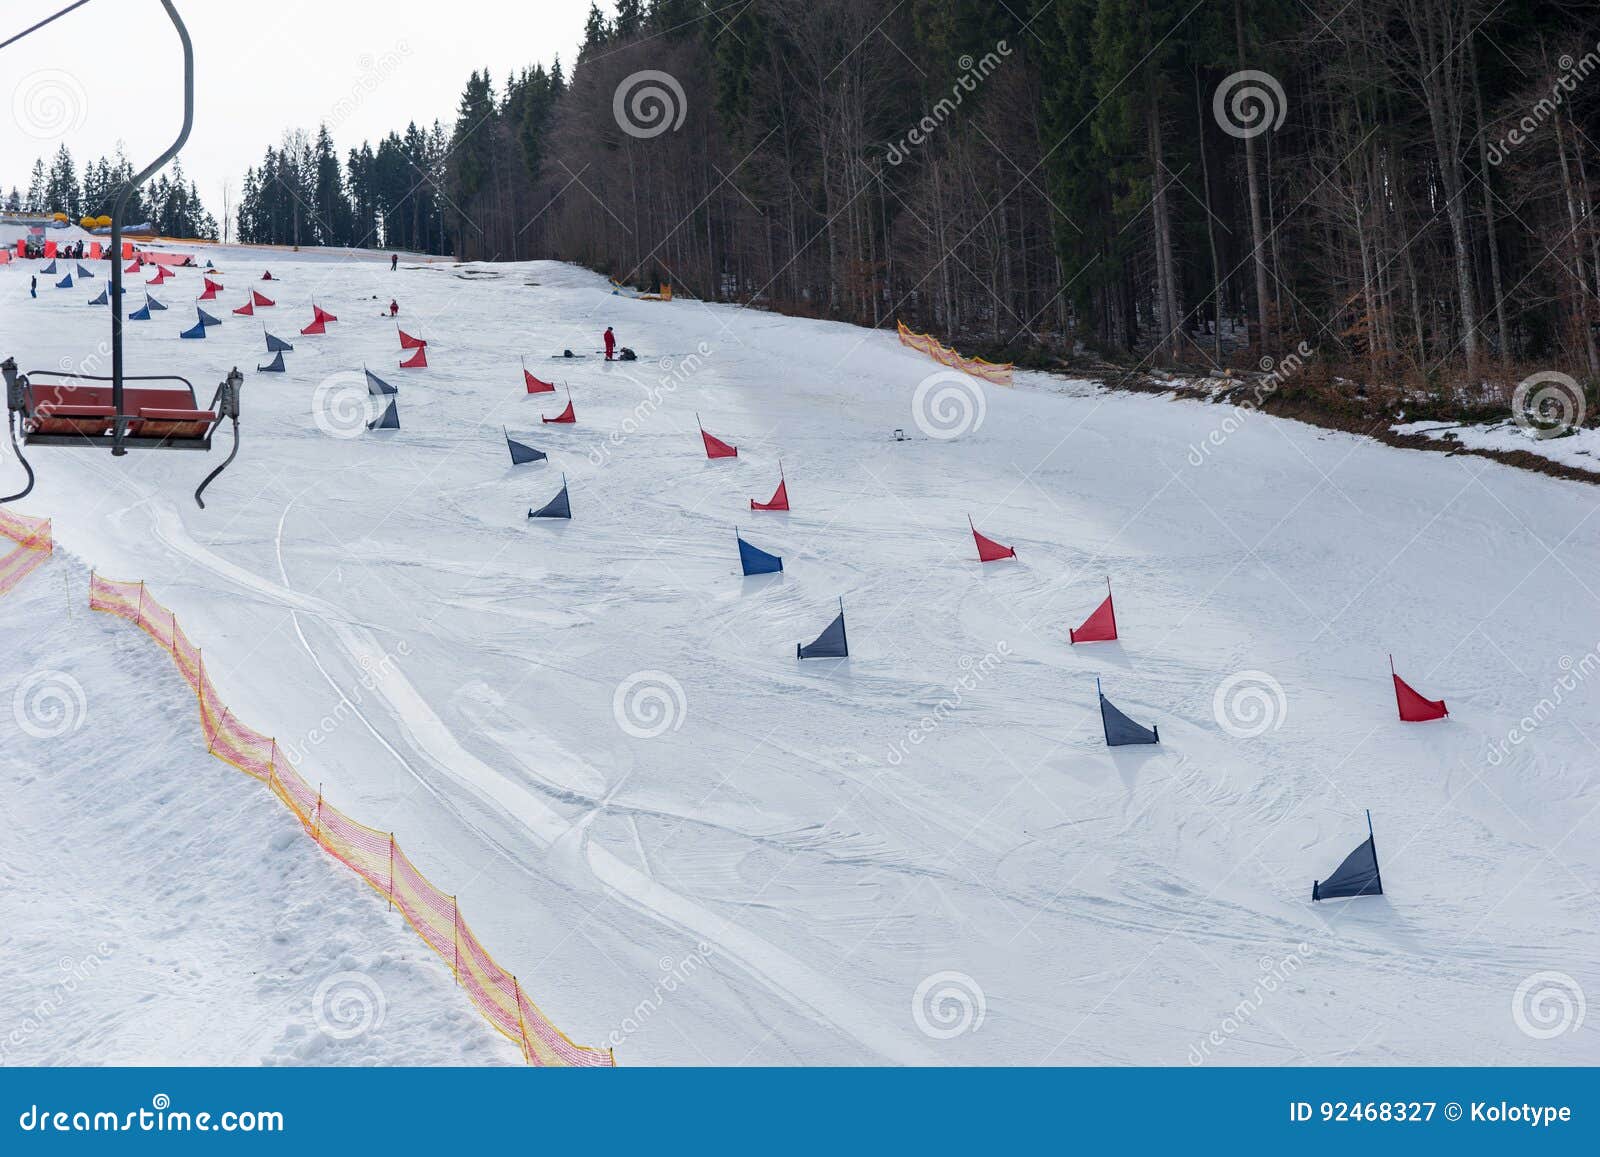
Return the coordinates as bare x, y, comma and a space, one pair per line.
119, 208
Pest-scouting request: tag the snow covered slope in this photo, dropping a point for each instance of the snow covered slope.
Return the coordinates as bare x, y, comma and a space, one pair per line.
158, 905
694, 848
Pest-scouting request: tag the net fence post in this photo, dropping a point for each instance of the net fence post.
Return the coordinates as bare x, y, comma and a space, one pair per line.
522, 1025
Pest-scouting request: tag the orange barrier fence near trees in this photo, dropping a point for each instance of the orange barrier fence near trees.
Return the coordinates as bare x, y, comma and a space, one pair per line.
34, 545
369, 853
997, 373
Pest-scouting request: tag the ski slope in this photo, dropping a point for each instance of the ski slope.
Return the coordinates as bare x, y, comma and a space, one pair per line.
695, 849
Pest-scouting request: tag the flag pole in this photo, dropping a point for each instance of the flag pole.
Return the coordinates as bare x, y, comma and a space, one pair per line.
1373, 840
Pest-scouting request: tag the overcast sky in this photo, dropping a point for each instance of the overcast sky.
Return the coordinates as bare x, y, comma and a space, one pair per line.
112, 70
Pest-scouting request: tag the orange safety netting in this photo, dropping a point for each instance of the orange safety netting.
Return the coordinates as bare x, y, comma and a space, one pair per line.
34, 544
996, 373
371, 854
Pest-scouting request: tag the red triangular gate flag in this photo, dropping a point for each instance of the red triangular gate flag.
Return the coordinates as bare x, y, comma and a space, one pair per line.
535, 386
135, 267
315, 327
209, 295
565, 416
417, 361
248, 309
161, 275
715, 447
1100, 627
1413, 707
988, 549
407, 342
322, 314
212, 285
259, 298
780, 497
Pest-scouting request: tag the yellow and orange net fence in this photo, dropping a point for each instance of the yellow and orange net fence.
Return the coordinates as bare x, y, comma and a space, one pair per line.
33, 545
371, 854
996, 373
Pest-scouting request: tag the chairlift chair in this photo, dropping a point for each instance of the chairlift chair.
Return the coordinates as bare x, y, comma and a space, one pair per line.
56, 408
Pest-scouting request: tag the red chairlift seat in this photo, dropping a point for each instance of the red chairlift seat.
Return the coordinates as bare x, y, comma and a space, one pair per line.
158, 413
76, 410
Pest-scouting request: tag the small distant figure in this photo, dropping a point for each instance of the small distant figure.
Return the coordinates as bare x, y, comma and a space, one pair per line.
33, 287
394, 262
394, 307
611, 343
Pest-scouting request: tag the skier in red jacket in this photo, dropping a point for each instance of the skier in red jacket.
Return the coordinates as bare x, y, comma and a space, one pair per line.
611, 343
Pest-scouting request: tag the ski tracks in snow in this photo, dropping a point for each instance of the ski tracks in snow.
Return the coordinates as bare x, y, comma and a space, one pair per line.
431, 738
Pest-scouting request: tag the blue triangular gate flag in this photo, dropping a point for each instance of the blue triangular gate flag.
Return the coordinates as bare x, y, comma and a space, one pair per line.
152, 303
276, 345
1120, 730
376, 386
1357, 876
275, 366
557, 507
100, 300
65, 282
82, 272
831, 644
390, 419
521, 453
140, 314
206, 318
196, 330
756, 561
51, 268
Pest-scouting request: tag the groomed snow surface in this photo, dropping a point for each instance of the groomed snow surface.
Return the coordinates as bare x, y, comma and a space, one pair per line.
694, 848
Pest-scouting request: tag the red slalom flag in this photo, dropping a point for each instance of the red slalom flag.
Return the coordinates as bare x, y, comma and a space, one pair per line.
780, 497
715, 447
315, 327
535, 385
248, 309
322, 314
260, 299
566, 416
417, 361
1100, 627
1414, 708
407, 342
988, 549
